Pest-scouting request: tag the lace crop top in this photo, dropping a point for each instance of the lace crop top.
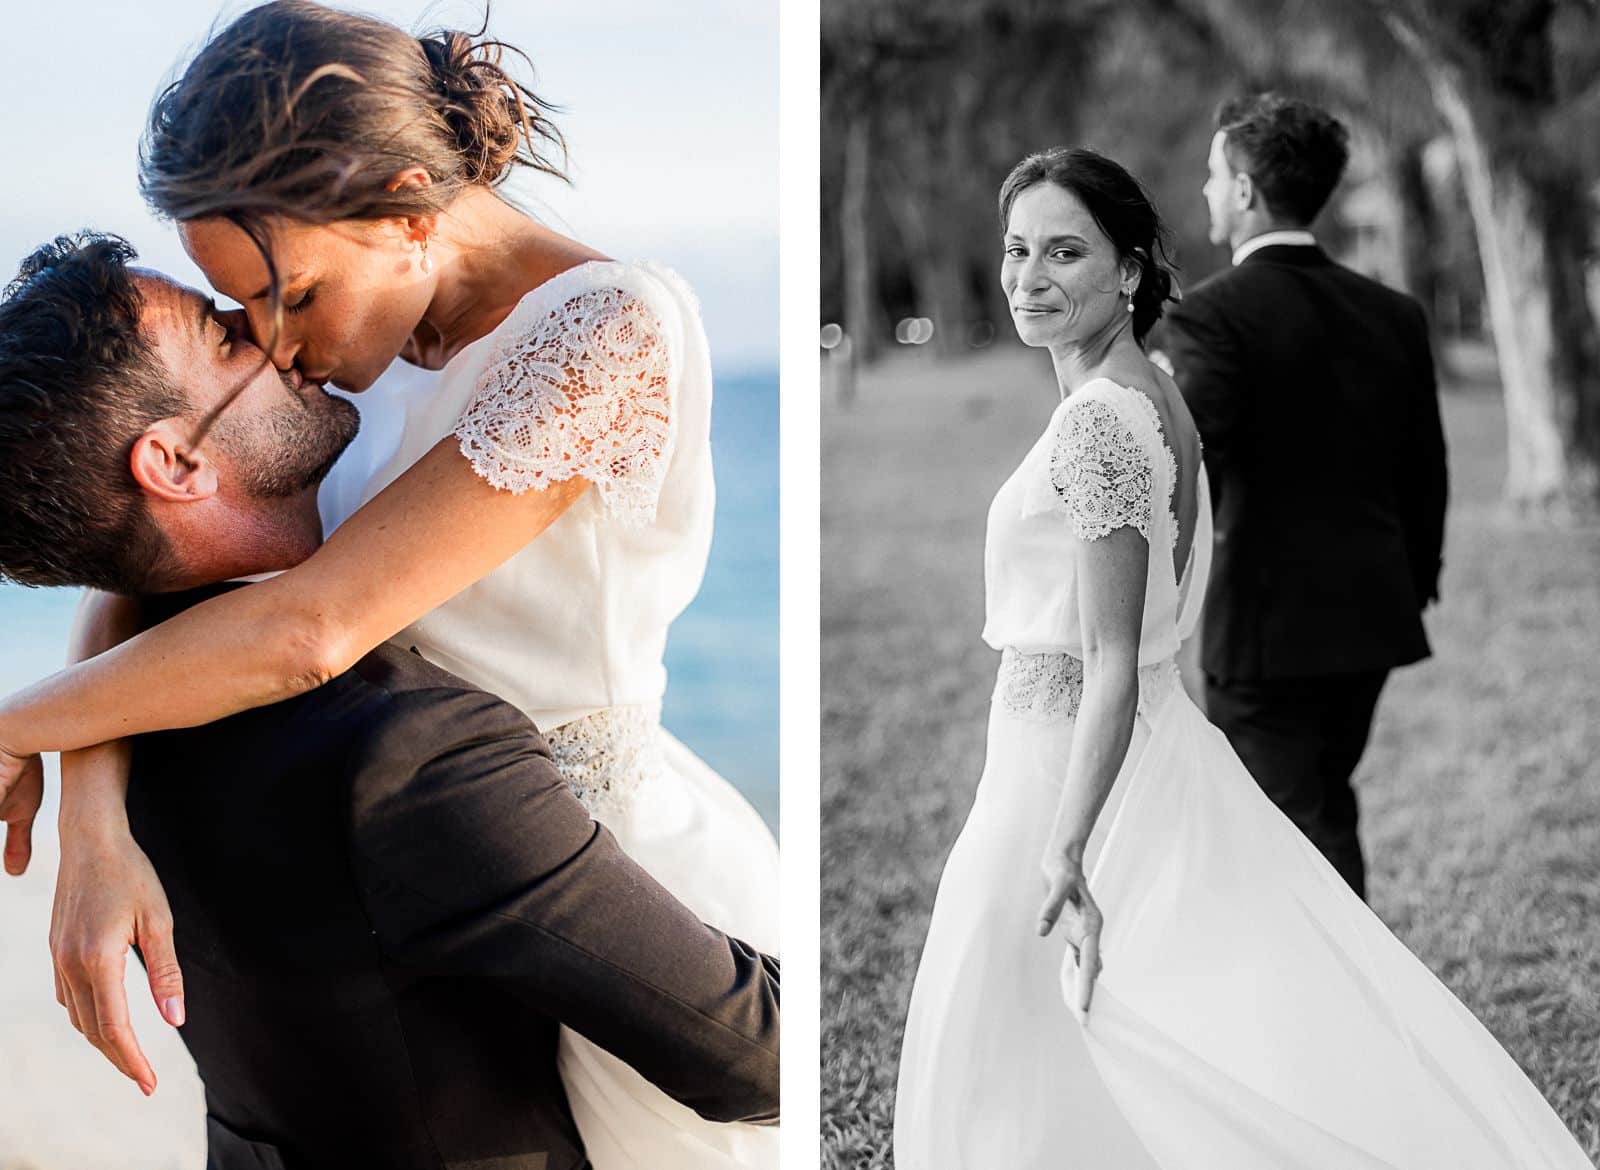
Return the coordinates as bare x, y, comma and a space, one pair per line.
601, 372
1101, 464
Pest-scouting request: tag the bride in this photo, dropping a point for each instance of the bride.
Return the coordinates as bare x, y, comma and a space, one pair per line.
529, 506
1215, 997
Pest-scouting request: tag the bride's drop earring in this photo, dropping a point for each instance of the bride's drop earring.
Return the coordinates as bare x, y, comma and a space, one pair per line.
1129, 295
426, 264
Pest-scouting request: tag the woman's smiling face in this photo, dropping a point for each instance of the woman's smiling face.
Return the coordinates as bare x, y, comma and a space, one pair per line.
1062, 276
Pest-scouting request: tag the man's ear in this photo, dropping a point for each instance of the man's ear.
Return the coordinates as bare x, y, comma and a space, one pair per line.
1245, 193
166, 468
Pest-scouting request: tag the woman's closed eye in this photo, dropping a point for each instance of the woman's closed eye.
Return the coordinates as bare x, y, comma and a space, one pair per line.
301, 305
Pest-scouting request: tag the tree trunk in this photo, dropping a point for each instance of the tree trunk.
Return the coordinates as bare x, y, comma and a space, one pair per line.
1418, 229
936, 273
1418, 224
1529, 268
856, 246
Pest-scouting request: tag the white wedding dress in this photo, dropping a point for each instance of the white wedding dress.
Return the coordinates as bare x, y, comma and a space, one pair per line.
601, 372
1253, 1014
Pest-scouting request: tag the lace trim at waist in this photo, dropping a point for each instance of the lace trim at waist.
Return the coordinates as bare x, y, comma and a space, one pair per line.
1048, 687
606, 756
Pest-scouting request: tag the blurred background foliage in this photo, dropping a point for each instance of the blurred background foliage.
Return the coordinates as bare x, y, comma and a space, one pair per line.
1474, 182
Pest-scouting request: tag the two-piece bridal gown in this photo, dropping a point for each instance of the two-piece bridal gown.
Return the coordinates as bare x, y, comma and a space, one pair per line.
601, 372
1253, 1013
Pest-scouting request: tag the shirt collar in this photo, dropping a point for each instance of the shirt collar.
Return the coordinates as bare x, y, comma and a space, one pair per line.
1293, 236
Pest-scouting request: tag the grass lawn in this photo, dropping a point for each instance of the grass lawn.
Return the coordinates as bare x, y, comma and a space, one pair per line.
1480, 791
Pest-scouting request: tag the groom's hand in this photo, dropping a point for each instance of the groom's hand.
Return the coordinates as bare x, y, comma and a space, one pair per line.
108, 898
21, 793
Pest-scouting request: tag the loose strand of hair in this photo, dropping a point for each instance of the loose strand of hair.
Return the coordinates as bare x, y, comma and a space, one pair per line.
262, 240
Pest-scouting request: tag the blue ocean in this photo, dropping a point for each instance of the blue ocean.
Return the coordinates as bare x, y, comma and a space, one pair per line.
722, 657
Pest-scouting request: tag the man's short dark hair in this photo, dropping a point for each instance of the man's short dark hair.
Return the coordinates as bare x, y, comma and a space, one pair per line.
1293, 151
79, 382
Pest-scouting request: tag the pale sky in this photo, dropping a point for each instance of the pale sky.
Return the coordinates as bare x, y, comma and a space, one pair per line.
671, 120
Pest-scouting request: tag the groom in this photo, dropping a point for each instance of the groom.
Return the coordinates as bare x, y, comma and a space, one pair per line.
1313, 389
386, 897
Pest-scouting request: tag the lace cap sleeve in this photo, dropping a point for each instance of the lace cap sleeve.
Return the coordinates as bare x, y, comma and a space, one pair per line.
1100, 471
582, 387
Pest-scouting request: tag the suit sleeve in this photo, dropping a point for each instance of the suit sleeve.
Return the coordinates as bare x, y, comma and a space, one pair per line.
1209, 370
476, 859
1423, 485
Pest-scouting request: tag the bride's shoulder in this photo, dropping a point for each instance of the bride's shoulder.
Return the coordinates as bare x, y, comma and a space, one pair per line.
583, 378
1103, 425
1098, 468
1136, 402
1101, 403
625, 308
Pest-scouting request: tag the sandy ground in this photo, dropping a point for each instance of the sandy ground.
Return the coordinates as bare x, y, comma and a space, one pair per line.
62, 1105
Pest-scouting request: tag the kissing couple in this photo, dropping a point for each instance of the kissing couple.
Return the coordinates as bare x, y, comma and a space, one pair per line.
390, 817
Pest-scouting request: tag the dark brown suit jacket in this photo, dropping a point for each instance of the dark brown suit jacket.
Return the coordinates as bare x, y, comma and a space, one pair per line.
387, 900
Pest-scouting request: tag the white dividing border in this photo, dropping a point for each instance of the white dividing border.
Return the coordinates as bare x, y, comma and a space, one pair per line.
799, 231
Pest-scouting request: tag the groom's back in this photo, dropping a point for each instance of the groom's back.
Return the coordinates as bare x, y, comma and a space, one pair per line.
312, 1038
1314, 393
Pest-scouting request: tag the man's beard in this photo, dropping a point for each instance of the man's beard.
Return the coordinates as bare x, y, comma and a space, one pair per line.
294, 448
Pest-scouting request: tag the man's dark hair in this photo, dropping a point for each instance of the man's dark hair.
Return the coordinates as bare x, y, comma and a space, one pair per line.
1293, 151
79, 382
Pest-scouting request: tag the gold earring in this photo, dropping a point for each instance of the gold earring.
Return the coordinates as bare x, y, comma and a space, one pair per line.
426, 265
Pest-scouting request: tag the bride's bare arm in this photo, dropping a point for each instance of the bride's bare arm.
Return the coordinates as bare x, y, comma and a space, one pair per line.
101, 622
437, 529
91, 782
1111, 587
108, 897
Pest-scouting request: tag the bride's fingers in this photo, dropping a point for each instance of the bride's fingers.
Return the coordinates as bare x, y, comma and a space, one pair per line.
19, 846
1088, 971
114, 1035
1055, 900
71, 1003
12, 771
161, 967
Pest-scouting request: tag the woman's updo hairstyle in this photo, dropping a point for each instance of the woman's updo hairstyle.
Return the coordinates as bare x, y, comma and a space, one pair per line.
305, 112
300, 110
497, 123
1122, 209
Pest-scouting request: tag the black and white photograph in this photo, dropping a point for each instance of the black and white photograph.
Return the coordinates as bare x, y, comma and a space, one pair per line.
1210, 444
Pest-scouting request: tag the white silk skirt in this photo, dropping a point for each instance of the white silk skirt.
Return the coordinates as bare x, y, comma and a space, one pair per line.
697, 835
1253, 1014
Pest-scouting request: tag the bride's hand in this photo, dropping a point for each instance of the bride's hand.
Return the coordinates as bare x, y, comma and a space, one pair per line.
21, 793
1068, 901
107, 899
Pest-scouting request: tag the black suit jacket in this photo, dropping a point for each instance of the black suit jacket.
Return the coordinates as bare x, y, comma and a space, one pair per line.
1313, 388
386, 900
